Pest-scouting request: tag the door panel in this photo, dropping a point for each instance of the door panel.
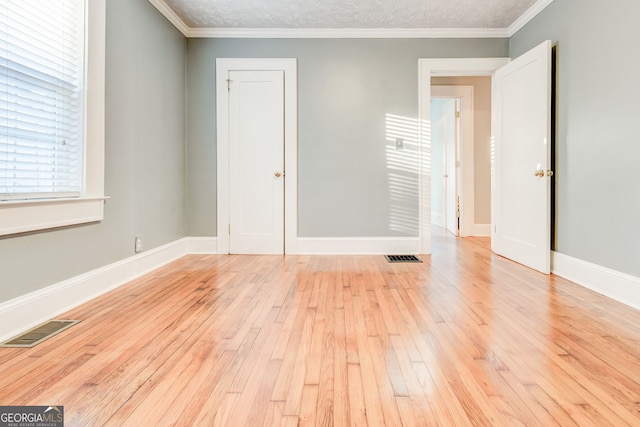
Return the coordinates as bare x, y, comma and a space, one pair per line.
521, 200
256, 156
450, 166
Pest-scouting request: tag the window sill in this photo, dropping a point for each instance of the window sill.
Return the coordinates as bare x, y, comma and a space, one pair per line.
21, 216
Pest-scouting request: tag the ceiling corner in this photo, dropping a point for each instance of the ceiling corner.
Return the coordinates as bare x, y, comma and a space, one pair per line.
531, 13
168, 13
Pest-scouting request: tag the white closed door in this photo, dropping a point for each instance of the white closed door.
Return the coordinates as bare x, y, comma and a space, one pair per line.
256, 162
451, 166
521, 175
444, 151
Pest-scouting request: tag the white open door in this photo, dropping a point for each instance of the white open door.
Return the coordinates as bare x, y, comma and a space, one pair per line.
256, 162
521, 175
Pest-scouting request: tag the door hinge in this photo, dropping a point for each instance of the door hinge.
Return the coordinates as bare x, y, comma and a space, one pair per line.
229, 84
457, 114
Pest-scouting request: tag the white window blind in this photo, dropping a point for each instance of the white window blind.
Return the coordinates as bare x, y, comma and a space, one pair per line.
42, 58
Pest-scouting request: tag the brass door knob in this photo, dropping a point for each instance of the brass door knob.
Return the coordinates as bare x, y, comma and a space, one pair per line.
539, 173
277, 174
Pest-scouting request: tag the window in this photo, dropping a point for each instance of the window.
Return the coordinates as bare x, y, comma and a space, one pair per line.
41, 99
51, 134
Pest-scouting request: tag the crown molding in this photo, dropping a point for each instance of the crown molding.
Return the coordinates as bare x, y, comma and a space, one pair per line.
168, 13
347, 33
531, 13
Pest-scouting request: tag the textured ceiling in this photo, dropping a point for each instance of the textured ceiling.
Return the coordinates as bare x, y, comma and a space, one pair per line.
346, 14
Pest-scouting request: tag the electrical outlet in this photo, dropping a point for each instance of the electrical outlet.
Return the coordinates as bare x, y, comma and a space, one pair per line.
138, 244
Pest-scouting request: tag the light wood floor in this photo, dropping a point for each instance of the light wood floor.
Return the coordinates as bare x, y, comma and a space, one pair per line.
466, 338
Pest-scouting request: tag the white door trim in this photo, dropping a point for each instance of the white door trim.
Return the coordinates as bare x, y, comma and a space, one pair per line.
467, 159
289, 67
426, 69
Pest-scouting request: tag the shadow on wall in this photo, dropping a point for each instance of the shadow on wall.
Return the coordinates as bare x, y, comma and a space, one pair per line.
402, 154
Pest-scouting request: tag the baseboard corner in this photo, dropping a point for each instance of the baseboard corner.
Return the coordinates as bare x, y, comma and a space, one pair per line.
611, 283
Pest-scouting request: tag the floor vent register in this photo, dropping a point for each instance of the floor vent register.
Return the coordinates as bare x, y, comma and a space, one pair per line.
39, 333
402, 258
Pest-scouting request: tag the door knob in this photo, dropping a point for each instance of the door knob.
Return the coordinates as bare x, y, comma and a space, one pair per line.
277, 174
539, 173
549, 172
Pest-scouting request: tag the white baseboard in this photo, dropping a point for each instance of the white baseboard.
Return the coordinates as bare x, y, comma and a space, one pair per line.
201, 245
358, 245
482, 230
27, 311
611, 283
437, 219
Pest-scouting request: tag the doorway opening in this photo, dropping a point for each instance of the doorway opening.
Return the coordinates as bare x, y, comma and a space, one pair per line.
520, 142
429, 69
473, 167
458, 172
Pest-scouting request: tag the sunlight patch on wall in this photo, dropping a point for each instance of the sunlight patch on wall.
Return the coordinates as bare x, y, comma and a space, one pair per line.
425, 172
403, 167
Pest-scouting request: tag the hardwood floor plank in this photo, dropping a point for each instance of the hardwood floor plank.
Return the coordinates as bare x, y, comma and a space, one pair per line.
274, 415
357, 406
296, 377
385, 382
308, 408
314, 363
373, 405
419, 401
224, 413
351, 338
340, 397
253, 404
216, 391
406, 411
292, 334
327, 372
195, 398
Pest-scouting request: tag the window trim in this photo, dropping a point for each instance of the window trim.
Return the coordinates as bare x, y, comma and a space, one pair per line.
20, 216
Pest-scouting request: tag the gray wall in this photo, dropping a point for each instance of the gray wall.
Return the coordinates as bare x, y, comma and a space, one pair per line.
598, 143
345, 89
145, 82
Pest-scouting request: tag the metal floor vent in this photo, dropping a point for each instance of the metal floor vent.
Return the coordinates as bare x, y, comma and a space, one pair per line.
39, 333
402, 258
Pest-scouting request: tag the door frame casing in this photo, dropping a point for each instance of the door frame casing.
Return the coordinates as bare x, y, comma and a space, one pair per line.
289, 67
437, 67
